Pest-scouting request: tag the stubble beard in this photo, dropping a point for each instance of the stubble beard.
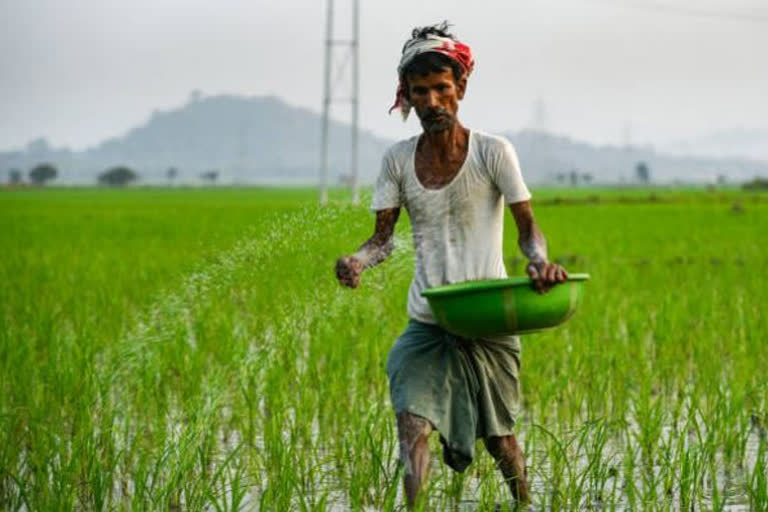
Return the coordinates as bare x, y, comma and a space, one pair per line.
435, 126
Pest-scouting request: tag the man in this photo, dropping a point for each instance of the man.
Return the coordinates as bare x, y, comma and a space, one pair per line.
454, 182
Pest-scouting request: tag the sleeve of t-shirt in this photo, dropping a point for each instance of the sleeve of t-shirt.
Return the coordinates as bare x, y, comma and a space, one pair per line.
505, 172
387, 193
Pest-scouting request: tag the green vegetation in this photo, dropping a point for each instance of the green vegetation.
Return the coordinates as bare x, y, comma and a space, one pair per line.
756, 184
188, 349
42, 173
118, 176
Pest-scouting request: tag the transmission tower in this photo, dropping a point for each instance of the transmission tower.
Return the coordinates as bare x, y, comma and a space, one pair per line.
349, 50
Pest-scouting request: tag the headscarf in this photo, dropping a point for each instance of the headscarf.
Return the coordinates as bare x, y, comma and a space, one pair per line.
457, 51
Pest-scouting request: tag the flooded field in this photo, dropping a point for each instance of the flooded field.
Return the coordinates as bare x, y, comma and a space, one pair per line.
191, 350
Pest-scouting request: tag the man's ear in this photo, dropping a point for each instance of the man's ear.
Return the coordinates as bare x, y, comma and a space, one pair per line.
461, 86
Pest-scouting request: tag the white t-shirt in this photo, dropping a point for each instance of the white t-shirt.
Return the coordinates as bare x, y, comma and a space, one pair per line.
458, 228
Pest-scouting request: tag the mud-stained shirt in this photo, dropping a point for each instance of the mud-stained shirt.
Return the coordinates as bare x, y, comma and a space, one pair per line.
458, 228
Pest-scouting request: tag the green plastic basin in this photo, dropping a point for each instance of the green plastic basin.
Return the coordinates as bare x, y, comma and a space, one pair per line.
492, 307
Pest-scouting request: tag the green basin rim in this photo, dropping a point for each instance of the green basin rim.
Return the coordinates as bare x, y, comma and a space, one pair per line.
487, 284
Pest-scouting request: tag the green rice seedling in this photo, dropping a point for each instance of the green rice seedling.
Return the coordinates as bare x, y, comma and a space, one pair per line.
191, 350
758, 481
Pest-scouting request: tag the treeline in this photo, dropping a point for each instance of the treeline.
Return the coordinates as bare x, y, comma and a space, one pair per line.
117, 176
38, 175
121, 175
756, 184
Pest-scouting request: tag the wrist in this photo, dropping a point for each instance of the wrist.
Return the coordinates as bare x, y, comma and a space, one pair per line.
369, 255
358, 259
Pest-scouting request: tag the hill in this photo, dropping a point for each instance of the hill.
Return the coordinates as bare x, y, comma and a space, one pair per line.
554, 159
247, 139
262, 139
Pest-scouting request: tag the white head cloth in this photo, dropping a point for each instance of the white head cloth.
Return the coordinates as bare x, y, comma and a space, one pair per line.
431, 43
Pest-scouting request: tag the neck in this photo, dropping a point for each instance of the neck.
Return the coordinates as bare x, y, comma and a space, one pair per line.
447, 141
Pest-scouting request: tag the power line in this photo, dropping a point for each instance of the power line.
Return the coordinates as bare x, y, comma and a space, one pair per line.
686, 11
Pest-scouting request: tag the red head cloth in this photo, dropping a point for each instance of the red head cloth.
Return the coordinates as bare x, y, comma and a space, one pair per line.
432, 43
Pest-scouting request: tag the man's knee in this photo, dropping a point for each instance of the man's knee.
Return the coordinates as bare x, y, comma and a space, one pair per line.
412, 428
501, 447
413, 432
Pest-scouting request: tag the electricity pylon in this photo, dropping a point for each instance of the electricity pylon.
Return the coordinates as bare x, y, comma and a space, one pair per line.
351, 46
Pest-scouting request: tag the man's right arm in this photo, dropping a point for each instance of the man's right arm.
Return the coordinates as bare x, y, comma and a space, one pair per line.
372, 252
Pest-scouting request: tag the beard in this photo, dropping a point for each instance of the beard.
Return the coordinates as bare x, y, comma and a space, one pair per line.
436, 120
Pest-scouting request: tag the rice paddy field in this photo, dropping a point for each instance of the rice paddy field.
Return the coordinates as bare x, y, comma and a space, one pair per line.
169, 349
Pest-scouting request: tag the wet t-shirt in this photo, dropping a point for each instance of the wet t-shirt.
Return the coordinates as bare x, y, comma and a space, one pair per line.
458, 228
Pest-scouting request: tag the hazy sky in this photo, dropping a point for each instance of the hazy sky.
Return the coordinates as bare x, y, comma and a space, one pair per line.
79, 71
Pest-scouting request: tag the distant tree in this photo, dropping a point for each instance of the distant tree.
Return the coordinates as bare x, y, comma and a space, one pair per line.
642, 172
560, 178
211, 175
756, 184
118, 176
42, 173
14, 176
722, 179
586, 178
171, 173
573, 176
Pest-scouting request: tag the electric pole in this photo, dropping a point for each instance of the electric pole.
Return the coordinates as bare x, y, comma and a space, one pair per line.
329, 97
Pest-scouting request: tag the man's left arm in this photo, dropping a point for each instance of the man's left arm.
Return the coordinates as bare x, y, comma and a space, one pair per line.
533, 244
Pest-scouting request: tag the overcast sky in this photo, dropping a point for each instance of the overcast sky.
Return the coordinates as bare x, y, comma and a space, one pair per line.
77, 72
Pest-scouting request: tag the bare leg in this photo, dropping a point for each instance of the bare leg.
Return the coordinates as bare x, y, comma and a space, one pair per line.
509, 457
413, 432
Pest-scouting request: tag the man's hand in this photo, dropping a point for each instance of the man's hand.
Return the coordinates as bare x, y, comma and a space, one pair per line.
348, 270
531, 240
372, 252
545, 275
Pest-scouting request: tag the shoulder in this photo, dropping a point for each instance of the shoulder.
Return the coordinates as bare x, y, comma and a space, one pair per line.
397, 156
496, 153
401, 150
489, 144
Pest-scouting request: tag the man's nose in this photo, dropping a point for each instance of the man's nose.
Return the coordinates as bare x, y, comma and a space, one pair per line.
432, 99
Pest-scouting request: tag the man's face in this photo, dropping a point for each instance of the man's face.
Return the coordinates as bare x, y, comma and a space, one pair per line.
435, 97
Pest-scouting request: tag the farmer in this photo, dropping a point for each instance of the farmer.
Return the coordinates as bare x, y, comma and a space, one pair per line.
454, 183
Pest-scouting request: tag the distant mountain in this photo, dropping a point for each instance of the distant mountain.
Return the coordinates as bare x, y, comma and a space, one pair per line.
553, 159
750, 143
247, 139
264, 140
